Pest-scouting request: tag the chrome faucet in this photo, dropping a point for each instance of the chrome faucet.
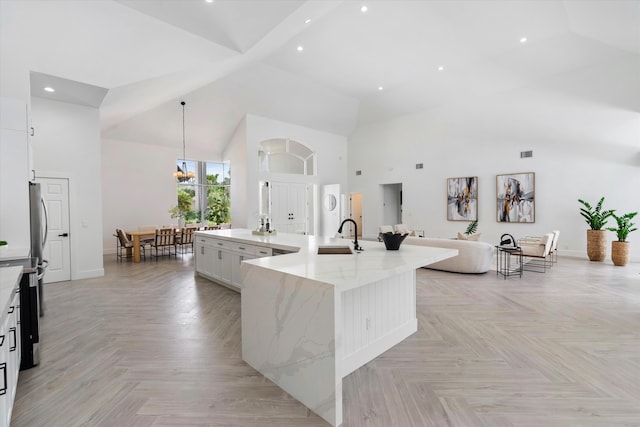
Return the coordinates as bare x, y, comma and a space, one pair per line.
356, 247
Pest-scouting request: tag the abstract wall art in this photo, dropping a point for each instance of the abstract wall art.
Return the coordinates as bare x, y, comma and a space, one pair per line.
515, 194
462, 199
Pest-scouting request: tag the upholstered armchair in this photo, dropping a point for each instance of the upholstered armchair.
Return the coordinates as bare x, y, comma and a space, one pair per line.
538, 250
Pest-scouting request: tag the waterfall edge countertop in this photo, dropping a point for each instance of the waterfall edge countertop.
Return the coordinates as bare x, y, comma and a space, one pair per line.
343, 271
9, 282
308, 320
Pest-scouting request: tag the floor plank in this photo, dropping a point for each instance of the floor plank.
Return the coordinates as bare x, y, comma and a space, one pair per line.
151, 345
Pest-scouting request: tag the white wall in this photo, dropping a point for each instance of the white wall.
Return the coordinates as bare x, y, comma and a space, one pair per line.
138, 187
583, 128
236, 154
331, 161
67, 145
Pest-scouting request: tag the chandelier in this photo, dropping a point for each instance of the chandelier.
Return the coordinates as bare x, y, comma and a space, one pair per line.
182, 174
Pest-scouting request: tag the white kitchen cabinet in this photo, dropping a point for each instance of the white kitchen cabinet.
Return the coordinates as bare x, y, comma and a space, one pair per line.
204, 259
9, 358
14, 173
219, 259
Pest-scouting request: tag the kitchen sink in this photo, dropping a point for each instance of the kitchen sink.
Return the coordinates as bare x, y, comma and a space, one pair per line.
334, 250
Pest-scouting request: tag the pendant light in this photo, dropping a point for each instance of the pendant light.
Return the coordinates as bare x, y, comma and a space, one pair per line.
183, 174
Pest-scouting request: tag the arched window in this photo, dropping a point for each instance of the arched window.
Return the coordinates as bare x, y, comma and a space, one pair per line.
280, 155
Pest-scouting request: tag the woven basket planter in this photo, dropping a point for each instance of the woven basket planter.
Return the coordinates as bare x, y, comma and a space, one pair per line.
597, 245
620, 253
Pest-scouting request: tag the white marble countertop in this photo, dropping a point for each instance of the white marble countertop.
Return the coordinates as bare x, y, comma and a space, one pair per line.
9, 281
9, 252
343, 271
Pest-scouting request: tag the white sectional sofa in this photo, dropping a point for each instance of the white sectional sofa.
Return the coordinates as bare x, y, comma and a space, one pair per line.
473, 257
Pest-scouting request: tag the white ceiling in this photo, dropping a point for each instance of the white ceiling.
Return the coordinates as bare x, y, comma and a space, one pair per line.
230, 58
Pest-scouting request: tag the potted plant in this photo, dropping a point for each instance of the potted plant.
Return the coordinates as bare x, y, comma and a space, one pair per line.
620, 248
596, 236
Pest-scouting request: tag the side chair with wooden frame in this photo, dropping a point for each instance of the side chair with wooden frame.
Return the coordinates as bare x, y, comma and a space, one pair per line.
165, 239
186, 239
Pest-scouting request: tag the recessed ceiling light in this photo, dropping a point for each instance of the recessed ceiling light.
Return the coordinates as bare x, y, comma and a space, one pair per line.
300, 48
523, 40
440, 68
49, 89
209, 1
380, 88
364, 9
306, 21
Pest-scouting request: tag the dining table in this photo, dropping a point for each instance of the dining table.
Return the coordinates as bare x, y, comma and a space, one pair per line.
135, 236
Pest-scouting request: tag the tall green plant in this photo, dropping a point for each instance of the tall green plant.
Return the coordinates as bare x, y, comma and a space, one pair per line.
218, 201
595, 217
185, 201
624, 226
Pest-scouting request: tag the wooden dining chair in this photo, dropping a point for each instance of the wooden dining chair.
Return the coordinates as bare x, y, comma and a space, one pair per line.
165, 239
186, 239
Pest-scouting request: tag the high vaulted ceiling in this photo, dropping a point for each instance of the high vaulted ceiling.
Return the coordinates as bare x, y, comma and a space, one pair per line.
229, 58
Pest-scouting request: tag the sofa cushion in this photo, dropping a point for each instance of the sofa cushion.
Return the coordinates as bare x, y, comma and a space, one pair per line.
472, 237
473, 257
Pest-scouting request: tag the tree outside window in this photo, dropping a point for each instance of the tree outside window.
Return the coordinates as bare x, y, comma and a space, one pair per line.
205, 196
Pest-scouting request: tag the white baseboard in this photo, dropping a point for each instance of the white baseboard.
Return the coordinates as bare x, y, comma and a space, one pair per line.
88, 274
583, 255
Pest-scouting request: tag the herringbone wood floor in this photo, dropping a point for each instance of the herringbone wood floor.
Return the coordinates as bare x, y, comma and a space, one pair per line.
150, 345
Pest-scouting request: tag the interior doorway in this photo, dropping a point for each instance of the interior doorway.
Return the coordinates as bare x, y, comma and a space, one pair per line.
57, 251
355, 212
391, 204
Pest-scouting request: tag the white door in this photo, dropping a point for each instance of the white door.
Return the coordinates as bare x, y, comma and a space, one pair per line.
356, 211
330, 208
288, 207
57, 250
391, 204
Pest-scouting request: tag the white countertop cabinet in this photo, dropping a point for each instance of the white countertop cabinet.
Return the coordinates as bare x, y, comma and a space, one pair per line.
220, 259
10, 340
309, 320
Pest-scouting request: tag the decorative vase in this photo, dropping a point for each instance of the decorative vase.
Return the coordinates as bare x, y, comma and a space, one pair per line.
392, 241
620, 253
597, 245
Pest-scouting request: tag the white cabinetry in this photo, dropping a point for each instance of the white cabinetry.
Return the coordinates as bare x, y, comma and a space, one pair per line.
9, 357
220, 259
14, 173
204, 256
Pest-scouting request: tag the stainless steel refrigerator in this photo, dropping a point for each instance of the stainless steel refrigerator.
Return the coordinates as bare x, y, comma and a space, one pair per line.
39, 230
31, 292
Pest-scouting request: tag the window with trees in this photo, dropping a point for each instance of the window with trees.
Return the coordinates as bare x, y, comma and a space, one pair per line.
203, 192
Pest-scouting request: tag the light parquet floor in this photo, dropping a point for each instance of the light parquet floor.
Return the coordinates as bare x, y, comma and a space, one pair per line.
151, 345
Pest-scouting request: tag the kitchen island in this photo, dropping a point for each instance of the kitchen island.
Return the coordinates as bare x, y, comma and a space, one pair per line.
308, 320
